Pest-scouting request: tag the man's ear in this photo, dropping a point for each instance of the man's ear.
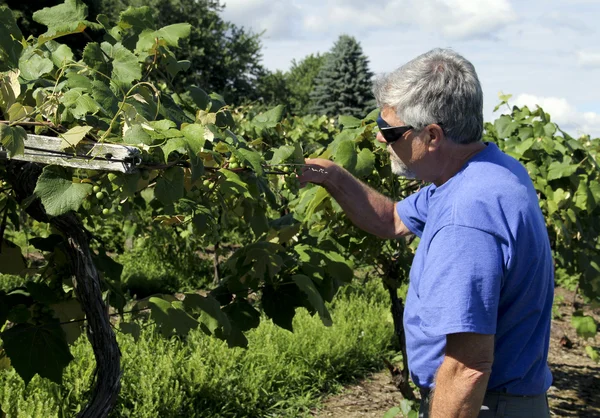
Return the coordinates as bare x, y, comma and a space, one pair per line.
434, 135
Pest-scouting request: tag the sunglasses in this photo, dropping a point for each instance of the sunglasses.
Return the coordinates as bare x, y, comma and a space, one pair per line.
391, 133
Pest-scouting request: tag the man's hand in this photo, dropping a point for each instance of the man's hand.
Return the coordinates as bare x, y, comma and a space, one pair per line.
317, 171
366, 208
462, 378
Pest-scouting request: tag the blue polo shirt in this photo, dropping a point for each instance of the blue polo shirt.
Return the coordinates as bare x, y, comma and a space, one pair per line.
483, 265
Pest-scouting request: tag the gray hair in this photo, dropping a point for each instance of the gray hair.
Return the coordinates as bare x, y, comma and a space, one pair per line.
440, 87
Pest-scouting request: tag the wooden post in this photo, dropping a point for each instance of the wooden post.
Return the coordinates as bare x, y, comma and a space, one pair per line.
88, 154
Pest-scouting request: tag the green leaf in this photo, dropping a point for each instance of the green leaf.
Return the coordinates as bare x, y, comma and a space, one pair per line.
69, 311
10, 37
60, 54
105, 97
242, 314
505, 126
18, 112
171, 318
592, 353
173, 33
233, 185
346, 156
321, 195
584, 325
131, 328
282, 154
212, 316
33, 64
78, 103
169, 187
63, 19
73, 136
57, 191
11, 259
137, 18
174, 144
95, 59
348, 121
270, 118
10, 89
39, 350
392, 412
200, 98
194, 139
365, 163
314, 297
126, 67
557, 170
13, 139
280, 304
136, 135
42, 293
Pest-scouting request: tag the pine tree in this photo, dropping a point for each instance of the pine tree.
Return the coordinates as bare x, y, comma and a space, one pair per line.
344, 83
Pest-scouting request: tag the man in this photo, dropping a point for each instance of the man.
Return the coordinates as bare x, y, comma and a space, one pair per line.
478, 308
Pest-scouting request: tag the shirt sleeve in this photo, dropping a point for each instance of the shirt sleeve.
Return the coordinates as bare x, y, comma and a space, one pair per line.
460, 287
413, 210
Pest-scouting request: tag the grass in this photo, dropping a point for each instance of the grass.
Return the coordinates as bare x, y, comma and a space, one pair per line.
281, 374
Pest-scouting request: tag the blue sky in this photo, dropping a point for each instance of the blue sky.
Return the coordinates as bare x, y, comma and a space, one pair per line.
541, 52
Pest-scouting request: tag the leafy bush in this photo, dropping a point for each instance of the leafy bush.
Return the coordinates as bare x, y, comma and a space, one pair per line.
280, 374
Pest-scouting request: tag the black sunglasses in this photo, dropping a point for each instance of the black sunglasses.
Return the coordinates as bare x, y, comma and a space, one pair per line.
391, 133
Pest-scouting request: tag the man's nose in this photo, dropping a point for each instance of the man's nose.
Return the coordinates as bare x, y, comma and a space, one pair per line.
380, 138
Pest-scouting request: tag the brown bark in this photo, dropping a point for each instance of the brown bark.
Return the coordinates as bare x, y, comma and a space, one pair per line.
23, 177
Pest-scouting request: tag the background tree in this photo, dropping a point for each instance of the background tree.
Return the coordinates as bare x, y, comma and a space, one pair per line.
223, 57
273, 89
301, 82
344, 83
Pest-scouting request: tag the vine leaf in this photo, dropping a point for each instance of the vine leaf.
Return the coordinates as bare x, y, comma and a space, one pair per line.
242, 314
33, 64
63, 19
171, 318
126, 67
73, 136
10, 88
365, 163
69, 311
584, 325
282, 154
10, 35
169, 188
11, 258
132, 328
314, 297
13, 139
558, 170
346, 156
57, 191
212, 317
39, 350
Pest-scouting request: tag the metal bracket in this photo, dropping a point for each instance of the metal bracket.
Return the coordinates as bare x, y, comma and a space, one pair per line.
88, 154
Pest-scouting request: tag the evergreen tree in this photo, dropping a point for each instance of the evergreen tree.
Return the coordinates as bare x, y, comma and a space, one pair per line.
344, 83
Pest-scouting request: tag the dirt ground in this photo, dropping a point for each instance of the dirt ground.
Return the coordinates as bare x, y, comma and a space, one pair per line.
574, 393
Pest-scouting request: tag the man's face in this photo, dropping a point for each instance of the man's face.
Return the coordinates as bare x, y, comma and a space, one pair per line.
399, 167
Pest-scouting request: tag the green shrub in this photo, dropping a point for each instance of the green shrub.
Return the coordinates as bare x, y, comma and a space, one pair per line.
280, 374
156, 267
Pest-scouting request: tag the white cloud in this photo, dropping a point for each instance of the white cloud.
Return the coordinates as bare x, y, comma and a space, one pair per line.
563, 113
456, 19
588, 59
277, 19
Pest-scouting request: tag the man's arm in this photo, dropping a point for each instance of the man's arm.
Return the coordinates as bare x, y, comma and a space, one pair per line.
367, 209
462, 379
